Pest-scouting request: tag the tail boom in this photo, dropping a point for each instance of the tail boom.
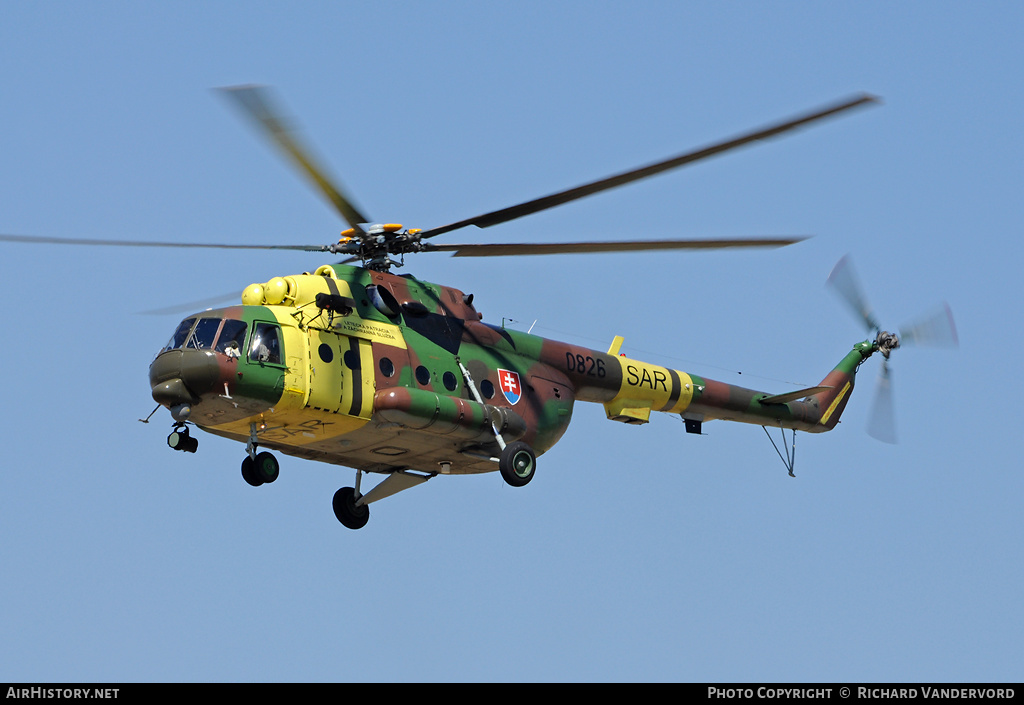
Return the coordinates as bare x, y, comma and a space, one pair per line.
631, 389
818, 411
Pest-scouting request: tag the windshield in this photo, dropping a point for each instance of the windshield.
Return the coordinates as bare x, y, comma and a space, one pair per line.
203, 334
194, 333
178, 339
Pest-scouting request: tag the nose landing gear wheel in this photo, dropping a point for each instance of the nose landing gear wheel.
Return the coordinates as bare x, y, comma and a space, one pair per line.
266, 467
346, 510
263, 470
517, 463
249, 472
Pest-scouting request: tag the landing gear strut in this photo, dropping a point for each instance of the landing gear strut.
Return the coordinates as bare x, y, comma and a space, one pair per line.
258, 468
352, 507
517, 461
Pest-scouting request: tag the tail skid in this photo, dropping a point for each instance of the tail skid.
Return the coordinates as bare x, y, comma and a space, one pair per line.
831, 395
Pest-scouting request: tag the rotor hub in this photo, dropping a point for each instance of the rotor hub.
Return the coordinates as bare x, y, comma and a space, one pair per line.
374, 244
886, 342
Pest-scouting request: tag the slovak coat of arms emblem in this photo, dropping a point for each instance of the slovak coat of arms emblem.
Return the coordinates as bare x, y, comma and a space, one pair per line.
510, 386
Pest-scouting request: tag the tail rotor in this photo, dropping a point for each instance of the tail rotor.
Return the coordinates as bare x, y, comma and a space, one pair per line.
936, 330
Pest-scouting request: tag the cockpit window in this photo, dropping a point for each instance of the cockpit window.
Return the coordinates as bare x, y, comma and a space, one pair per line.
203, 334
178, 339
232, 338
266, 344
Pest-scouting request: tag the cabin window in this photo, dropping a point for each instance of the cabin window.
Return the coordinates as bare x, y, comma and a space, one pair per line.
203, 334
232, 338
423, 375
450, 382
266, 344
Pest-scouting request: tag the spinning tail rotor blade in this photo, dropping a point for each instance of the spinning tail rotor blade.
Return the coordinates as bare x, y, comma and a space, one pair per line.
882, 422
936, 330
845, 282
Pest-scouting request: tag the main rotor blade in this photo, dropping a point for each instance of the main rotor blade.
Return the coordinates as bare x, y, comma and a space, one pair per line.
557, 199
937, 330
846, 283
35, 240
194, 306
561, 248
256, 103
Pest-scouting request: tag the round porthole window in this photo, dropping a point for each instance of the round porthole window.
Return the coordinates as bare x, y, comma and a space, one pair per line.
383, 300
450, 383
387, 368
423, 375
487, 389
326, 354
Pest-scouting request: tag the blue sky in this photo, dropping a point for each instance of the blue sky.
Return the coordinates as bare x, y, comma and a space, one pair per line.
636, 553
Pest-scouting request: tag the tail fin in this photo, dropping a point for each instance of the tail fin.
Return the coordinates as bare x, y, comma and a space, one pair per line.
839, 384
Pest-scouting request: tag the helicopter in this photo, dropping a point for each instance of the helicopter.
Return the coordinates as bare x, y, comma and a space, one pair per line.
354, 365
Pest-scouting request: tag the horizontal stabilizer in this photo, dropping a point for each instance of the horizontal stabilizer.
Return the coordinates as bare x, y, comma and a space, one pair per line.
793, 396
616, 345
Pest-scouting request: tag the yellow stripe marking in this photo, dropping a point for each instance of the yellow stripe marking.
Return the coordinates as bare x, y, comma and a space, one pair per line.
835, 403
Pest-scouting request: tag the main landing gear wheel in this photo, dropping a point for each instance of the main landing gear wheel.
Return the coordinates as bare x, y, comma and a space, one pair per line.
264, 469
346, 510
517, 463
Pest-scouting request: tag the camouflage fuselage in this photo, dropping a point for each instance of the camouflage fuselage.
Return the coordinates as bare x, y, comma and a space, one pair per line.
369, 370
